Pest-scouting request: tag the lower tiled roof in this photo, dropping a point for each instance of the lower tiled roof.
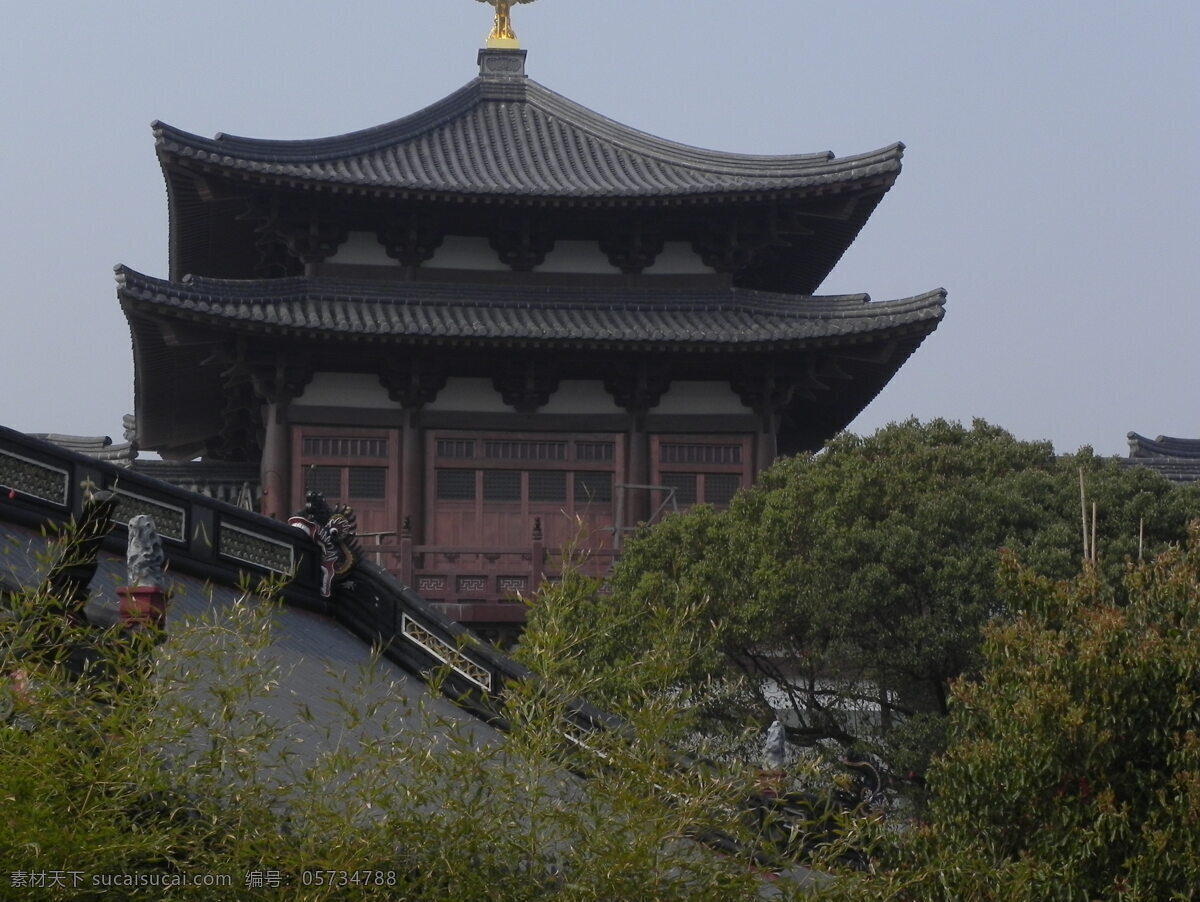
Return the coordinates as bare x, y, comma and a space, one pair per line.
620, 316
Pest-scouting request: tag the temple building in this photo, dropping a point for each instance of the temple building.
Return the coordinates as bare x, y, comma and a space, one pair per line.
502, 321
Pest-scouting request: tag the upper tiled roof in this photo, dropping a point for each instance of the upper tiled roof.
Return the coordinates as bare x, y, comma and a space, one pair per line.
708, 319
513, 137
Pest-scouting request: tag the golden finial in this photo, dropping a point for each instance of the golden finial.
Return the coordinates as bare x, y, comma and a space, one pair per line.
503, 37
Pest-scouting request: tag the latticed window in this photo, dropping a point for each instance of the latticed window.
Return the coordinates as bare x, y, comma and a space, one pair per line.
595, 451
697, 453
524, 450
702, 470
344, 446
719, 488
456, 485
456, 448
548, 486
684, 484
501, 485
368, 482
593, 488
326, 480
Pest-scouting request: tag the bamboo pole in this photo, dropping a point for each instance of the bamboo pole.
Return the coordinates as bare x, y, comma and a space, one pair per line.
1093, 533
1083, 515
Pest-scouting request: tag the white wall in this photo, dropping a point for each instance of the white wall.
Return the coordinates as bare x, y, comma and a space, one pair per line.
347, 390
581, 396
476, 395
700, 398
362, 249
678, 259
577, 256
461, 252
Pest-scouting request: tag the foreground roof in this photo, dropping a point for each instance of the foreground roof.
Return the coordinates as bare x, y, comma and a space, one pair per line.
694, 319
317, 662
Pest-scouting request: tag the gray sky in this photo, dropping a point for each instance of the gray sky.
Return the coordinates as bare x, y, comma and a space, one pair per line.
1049, 182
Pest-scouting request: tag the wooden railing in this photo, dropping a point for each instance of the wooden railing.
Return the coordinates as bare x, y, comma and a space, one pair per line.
42, 483
474, 584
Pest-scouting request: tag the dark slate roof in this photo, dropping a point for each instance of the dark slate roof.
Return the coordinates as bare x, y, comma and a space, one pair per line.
513, 137
611, 317
1163, 446
1176, 459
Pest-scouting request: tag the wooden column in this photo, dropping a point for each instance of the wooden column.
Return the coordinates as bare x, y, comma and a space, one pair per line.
768, 442
413, 382
637, 501
767, 390
412, 475
276, 385
276, 462
637, 386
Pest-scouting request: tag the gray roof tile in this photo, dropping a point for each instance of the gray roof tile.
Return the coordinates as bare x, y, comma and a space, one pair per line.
711, 319
520, 139
1164, 446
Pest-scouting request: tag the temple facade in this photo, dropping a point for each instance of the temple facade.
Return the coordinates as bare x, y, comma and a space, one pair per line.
504, 322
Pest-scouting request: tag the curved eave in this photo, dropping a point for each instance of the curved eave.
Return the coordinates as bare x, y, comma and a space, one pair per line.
732, 321
519, 144
176, 397
1164, 446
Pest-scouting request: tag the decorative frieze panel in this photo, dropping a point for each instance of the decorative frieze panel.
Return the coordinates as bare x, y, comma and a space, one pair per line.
431, 584
38, 480
512, 585
252, 548
169, 520
446, 653
471, 584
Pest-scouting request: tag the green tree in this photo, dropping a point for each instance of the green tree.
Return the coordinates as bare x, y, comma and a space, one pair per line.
851, 586
1073, 770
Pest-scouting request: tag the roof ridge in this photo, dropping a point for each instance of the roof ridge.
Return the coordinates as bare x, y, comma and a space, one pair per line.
381, 136
539, 102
